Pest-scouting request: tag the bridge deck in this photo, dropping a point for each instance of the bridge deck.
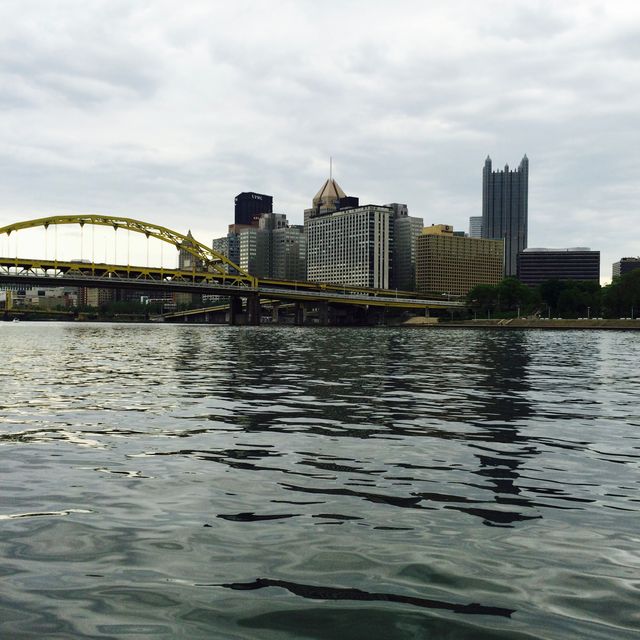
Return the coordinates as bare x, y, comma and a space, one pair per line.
101, 275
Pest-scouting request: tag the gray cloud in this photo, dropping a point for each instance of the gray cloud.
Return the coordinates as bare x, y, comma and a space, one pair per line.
168, 111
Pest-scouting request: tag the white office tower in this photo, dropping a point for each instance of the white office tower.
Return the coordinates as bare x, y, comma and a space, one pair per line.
475, 227
350, 245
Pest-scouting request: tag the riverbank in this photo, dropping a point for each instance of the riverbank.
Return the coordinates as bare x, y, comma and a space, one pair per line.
529, 323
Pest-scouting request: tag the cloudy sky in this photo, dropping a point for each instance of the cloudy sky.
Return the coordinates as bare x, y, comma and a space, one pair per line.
165, 110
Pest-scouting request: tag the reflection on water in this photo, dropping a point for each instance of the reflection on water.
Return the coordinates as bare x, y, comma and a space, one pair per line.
317, 483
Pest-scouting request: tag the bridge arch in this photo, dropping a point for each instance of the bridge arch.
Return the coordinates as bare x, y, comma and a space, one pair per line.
210, 258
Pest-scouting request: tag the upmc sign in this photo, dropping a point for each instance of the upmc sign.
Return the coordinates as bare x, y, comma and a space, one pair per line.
255, 196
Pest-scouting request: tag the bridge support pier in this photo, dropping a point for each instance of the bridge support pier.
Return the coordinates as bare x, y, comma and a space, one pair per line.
298, 314
253, 309
323, 313
275, 308
235, 308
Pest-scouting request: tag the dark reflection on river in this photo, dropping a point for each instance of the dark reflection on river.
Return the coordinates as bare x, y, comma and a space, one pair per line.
213, 482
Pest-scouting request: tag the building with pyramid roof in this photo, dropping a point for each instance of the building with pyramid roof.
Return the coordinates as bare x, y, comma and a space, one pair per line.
330, 198
329, 194
347, 243
369, 245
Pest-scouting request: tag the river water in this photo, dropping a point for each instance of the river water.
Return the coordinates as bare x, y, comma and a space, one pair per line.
163, 481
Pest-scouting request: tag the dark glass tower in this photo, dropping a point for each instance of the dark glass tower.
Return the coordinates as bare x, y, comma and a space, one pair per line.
505, 204
249, 206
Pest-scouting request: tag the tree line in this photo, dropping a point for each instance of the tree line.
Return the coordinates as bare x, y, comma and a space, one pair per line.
559, 298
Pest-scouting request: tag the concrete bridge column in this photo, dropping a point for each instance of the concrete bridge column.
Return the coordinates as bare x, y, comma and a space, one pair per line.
235, 308
323, 313
253, 309
427, 313
298, 314
374, 315
275, 308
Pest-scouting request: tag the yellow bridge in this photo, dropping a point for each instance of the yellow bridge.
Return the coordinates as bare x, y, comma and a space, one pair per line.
212, 274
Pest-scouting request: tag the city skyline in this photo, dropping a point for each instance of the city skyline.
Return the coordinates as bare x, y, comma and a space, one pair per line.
165, 115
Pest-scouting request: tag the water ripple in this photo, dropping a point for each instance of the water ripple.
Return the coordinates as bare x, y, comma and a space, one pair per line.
389, 478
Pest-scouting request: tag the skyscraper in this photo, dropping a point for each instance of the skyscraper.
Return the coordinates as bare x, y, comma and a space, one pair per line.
578, 263
624, 266
249, 206
505, 201
404, 231
447, 263
186, 260
475, 227
330, 198
272, 249
289, 253
347, 243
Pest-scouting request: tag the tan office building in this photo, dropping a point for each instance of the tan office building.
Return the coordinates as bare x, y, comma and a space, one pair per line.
448, 263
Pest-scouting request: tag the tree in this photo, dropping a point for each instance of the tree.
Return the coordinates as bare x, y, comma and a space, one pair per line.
513, 294
483, 296
572, 297
550, 291
621, 299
